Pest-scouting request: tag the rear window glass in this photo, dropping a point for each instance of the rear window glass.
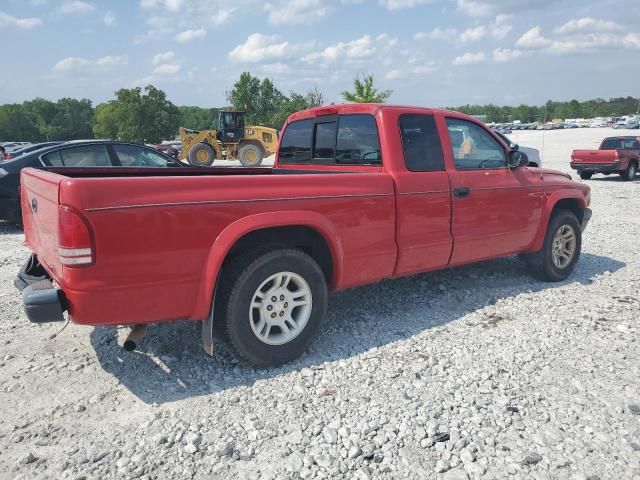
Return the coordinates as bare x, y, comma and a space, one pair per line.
324, 145
80, 156
346, 140
620, 143
358, 141
295, 146
421, 143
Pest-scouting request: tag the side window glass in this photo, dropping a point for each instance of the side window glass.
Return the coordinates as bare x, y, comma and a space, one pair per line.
80, 156
295, 146
421, 143
358, 141
53, 159
133, 156
325, 141
473, 147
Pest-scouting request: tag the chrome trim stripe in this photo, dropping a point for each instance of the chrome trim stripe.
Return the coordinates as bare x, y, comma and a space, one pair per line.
213, 202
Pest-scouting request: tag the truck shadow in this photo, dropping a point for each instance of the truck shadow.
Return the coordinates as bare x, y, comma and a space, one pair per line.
7, 228
170, 364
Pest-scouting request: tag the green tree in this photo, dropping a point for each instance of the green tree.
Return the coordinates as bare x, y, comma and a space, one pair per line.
262, 101
17, 123
364, 92
137, 116
197, 118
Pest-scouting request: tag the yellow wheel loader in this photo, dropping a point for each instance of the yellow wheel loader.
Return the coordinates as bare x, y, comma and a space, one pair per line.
232, 140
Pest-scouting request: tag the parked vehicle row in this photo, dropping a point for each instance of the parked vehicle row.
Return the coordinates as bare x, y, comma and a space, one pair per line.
358, 193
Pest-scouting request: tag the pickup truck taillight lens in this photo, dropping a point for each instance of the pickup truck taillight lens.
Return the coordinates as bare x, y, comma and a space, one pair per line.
75, 244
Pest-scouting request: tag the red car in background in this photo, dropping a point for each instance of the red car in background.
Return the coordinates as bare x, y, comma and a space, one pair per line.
167, 149
619, 155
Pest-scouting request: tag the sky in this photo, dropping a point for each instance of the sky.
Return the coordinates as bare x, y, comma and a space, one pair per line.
429, 52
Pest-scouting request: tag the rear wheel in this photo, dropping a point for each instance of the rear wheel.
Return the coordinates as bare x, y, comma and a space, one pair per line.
560, 250
201, 154
250, 155
272, 306
586, 175
630, 174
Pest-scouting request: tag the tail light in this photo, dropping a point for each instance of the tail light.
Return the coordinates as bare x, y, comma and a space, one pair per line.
616, 157
8, 157
75, 242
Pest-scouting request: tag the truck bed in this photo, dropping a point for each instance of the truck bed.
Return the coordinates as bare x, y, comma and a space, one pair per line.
162, 225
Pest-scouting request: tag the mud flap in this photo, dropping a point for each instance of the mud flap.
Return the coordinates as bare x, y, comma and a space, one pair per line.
207, 334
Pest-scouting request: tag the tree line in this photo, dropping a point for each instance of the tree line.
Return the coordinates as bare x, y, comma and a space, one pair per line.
147, 115
599, 107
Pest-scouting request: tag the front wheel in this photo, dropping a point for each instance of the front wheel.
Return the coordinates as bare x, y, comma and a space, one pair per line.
630, 174
272, 306
560, 250
201, 155
250, 155
586, 175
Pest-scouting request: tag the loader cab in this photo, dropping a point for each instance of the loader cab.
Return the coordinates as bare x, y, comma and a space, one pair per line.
231, 126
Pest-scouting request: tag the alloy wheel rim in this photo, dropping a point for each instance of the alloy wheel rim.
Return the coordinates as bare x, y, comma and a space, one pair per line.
563, 247
280, 308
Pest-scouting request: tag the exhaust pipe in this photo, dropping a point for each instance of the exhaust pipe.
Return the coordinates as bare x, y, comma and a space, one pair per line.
136, 333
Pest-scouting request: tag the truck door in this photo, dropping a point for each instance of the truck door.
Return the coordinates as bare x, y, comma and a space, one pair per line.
496, 209
423, 197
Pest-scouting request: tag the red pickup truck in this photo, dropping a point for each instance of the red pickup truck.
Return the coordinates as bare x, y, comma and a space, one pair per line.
619, 155
359, 193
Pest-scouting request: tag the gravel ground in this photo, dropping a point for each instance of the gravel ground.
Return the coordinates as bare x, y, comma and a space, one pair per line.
476, 372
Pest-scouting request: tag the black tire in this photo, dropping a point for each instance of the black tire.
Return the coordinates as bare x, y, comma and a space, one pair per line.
250, 155
586, 175
200, 150
239, 282
630, 174
541, 264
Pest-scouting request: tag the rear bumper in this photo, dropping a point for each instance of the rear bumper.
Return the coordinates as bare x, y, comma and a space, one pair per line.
586, 216
596, 167
42, 302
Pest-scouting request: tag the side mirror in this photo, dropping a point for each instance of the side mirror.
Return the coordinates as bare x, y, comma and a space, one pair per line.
514, 146
518, 159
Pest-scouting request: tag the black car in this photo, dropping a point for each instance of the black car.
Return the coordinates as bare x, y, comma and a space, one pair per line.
29, 148
96, 153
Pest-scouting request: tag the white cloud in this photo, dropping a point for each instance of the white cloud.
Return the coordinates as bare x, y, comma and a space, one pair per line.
474, 8
400, 4
419, 70
362, 48
296, 12
7, 20
167, 69
80, 64
504, 55
222, 16
112, 60
594, 41
447, 34
76, 6
469, 58
533, 39
170, 5
589, 24
471, 35
259, 48
188, 35
500, 28
163, 57
109, 19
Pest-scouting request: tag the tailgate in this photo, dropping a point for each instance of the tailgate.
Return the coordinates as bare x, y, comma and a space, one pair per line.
39, 196
594, 157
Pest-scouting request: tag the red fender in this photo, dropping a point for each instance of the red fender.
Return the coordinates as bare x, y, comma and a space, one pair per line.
551, 202
230, 235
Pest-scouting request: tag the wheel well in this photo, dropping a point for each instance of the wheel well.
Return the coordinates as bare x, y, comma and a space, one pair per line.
300, 237
570, 204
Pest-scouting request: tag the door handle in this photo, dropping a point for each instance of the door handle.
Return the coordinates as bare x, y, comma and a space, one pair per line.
461, 192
